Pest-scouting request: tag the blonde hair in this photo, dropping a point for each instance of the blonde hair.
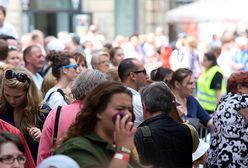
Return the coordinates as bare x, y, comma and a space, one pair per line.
32, 105
48, 82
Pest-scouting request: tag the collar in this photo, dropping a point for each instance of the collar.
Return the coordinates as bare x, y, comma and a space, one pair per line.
155, 118
92, 136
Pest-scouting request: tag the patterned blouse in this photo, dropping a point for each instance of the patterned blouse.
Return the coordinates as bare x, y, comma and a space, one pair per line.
229, 139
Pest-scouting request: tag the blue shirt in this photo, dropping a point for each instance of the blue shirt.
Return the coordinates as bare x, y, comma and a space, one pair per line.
196, 111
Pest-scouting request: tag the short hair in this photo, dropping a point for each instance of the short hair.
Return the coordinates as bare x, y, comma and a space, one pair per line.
27, 51
236, 78
86, 81
126, 66
6, 137
179, 75
96, 55
3, 9
157, 97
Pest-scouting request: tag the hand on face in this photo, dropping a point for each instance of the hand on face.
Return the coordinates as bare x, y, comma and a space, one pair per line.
124, 131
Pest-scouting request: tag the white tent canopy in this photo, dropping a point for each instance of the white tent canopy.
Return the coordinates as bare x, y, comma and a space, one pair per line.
210, 11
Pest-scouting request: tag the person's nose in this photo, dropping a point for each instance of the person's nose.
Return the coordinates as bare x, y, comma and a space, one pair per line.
11, 100
15, 164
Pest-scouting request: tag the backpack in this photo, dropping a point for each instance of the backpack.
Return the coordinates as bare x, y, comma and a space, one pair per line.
146, 156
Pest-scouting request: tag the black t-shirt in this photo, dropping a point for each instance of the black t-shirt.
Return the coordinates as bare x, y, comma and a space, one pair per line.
216, 81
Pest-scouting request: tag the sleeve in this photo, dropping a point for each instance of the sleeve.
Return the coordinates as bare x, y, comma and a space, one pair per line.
217, 81
46, 138
201, 113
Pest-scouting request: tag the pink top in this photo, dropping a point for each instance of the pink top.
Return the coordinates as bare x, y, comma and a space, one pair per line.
67, 116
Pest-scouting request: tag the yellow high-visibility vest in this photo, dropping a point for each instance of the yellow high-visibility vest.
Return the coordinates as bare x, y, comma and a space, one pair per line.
206, 96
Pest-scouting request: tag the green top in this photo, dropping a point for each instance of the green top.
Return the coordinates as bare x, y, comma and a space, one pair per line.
88, 151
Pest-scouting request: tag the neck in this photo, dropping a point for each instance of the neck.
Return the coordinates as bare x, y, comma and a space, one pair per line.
31, 69
148, 115
179, 96
100, 131
131, 85
63, 83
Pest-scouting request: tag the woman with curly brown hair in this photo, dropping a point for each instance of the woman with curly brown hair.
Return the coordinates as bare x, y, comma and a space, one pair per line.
229, 139
22, 106
103, 133
65, 70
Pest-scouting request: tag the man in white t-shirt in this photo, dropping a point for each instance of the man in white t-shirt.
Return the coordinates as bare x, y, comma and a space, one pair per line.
133, 75
6, 28
34, 62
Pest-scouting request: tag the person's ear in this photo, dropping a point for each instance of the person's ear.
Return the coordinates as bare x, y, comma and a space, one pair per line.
177, 84
65, 71
99, 116
132, 76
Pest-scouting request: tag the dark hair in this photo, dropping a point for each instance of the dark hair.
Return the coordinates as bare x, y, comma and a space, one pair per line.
58, 59
179, 75
3, 9
211, 57
3, 50
126, 66
157, 97
6, 137
235, 79
161, 74
96, 102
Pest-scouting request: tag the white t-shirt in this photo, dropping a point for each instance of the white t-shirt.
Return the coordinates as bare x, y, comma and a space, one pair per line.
8, 29
137, 107
56, 98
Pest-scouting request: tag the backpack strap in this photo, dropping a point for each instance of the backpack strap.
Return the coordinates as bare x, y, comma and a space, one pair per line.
58, 90
147, 135
146, 147
56, 124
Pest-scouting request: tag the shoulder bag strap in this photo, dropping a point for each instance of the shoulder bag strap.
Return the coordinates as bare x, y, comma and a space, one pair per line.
56, 124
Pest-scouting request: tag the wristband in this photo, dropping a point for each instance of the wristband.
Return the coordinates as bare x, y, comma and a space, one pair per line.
123, 149
122, 156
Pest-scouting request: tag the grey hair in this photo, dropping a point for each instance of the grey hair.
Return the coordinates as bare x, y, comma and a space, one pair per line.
86, 81
157, 97
96, 54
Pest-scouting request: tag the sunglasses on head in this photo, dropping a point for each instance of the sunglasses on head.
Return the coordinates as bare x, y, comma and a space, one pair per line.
22, 77
75, 66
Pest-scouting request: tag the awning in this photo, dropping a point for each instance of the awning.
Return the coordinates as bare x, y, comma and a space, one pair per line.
210, 11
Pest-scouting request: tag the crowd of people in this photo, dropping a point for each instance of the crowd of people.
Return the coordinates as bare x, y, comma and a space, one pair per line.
71, 101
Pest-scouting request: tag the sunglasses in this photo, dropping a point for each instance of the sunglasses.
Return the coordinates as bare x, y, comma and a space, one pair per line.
22, 77
74, 66
141, 71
